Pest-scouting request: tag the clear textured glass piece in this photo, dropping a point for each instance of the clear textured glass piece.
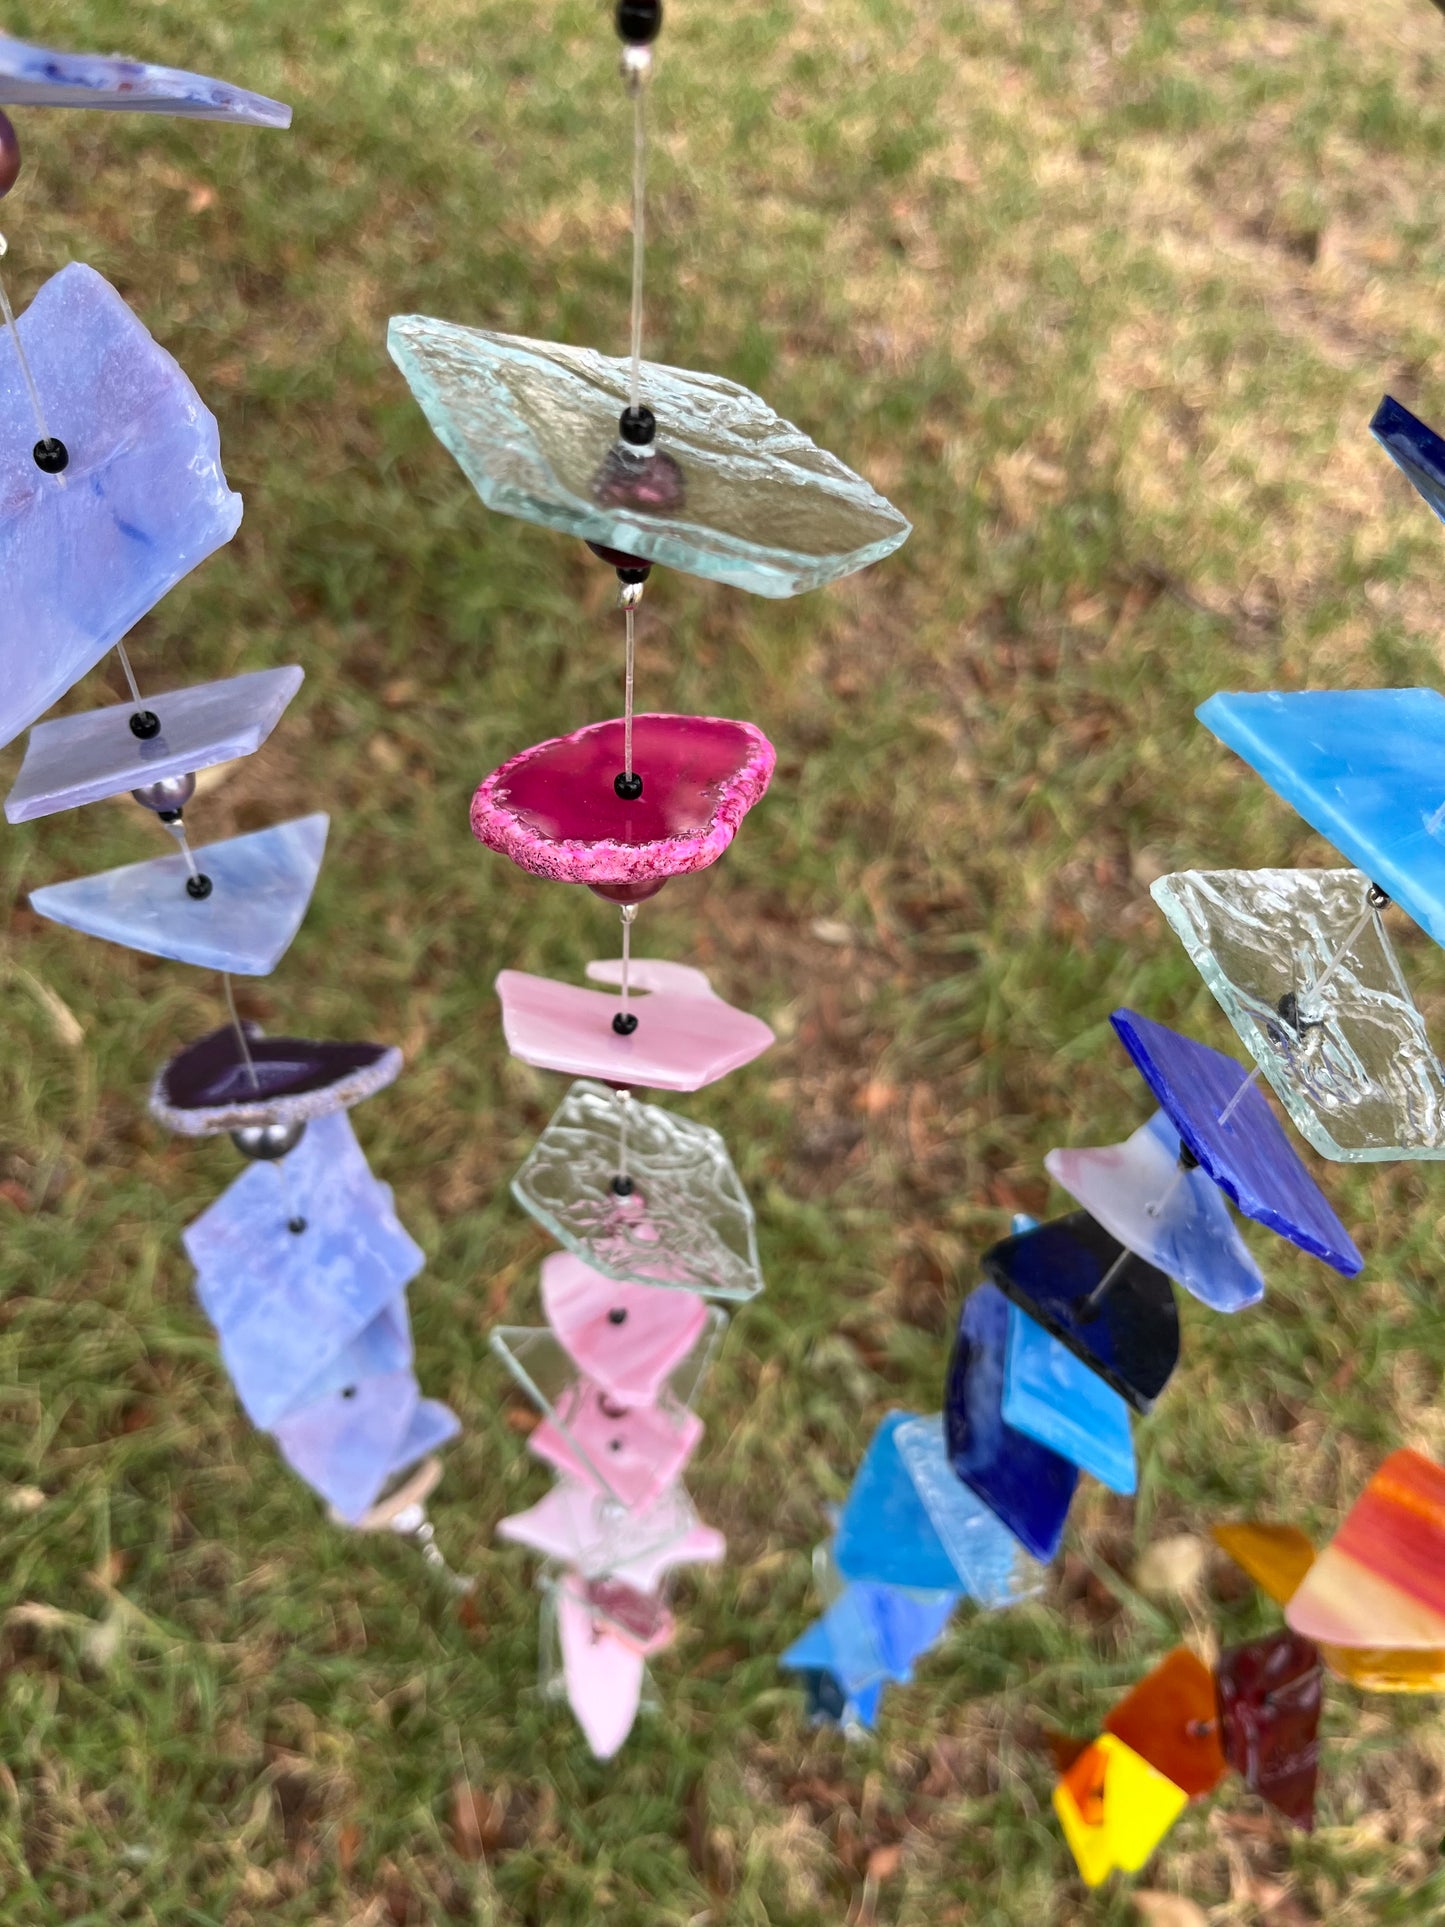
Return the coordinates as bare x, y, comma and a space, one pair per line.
260, 887
884, 1531
1416, 450
85, 553
41, 77
871, 1633
345, 1445
994, 1567
628, 1339
1364, 767
1380, 1581
211, 1087
80, 759
583, 1528
1351, 1062
1052, 1397
685, 1222
729, 490
1175, 1219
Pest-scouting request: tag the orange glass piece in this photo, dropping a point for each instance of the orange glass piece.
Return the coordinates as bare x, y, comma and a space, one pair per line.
1171, 1720
1380, 1582
1275, 1557
1384, 1669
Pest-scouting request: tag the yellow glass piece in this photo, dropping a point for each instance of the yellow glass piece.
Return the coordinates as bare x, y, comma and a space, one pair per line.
1275, 1557
1136, 1806
1388, 1669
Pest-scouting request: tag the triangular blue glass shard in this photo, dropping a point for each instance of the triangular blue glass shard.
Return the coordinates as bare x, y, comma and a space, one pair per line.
1229, 1127
42, 77
1417, 451
346, 1444
994, 1567
84, 554
884, 1530
871, 1633
260, 887
1052, 1397
1364, 767
1027, 1486
826, 1704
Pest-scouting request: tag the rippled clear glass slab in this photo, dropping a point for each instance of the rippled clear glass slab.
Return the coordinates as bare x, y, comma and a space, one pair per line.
260, 887
686, 1222
885, 1533
1053, 1398
1415, 449
732, 491
1352, 1062
995, 1568
42, 77
585, 1529
84, 554
80, 759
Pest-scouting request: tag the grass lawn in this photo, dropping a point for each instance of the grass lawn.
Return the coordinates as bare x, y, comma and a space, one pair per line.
1103, 296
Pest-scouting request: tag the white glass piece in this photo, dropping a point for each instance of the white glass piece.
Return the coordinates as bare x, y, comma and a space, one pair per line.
994, 1568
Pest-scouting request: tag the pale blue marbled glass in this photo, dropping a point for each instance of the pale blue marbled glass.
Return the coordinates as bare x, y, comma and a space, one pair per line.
1052, 1397
432, 1425
86, 553
260, 887
41, 77
345, 1445
994, 1567
533, 423
384, 1346
884, 1531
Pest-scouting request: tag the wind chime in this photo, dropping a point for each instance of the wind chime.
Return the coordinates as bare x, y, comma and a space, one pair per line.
648, 465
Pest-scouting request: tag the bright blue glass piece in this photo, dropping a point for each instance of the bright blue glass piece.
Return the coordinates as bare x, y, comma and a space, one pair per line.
1364, 767
1052, 1397
86, 553
1416, 450
260, 887
1027, 1486
40, 77
1248, 1156
344, 1446
884, 1530
871, 1633
994, 1567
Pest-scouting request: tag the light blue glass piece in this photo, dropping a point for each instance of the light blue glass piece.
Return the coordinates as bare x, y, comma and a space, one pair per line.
1364, 767
729, 490
40, 77
345, 1445
884, 1531
871, 1633
1055, 1399
994, 1568
286, 1303
86, 553
74, 760
432, 1425
384, 1346
260, 887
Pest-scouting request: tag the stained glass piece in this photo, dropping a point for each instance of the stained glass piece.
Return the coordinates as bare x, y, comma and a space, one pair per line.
630, 1453
732, 492
211, 1087
1276, 1557
884, 1532
681, 1042
554, 808
870, 1633
1352, 1063
260, 887
1175, 1220
628, 1339
584, 1529
994, 1567
824, 1701
685, 1221
643, 1620
1052, 1397
603, 1673
1129, 1334
380, 1348
1228, 1125
1382, 1669
41, 77
1170, 1720
432, 1425
1416, 450
85, 554
345, 1445
1364, 768
74, 760
1114, 1809
1381, 1580
285, 1302
1270, 1699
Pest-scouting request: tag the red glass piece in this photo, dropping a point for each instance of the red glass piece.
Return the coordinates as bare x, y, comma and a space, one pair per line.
1269, 1696
1170, 1720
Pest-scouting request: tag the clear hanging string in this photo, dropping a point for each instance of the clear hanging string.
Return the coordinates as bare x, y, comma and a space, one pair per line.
628, 677
637, 69
237, 1026
9, 313
629, 917
135, 694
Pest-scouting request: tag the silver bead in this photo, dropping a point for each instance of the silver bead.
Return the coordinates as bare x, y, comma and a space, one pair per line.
636, 67
267, 1142
629, 594
168, 793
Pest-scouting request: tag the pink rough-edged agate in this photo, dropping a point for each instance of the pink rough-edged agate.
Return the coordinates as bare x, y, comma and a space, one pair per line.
603, 1672
582, 1528
554, 809
628, 1339
634, 1453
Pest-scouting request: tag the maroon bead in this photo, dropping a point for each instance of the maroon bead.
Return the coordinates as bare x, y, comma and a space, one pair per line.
634, 565
650, 483
1269, 1695
9, 155
628, 892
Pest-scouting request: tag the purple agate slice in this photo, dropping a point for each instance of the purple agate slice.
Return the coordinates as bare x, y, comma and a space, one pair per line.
209, 1087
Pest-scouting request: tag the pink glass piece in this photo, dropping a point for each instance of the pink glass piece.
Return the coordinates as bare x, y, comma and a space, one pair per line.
683, 1039
554, 809
626, 1338
582, 1528
631, 1454
603, 1673
640, 1619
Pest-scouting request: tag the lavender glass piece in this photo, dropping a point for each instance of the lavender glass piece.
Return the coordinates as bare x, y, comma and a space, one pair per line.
628, 1339
84, 554
685, 1222
432, 1425
585, 1529
40, 77
993, 1565
684, 1039
1053, 1398
1175, 1219
1233, 1133
74, 760
554, 809
260, 887
884, 1532
742, 497
210, 1087
346, 1445
379, 1349
1416, 450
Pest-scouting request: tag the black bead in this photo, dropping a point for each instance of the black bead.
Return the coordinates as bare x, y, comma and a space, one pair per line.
296, 1226
637, 426
614, 1445
618, 1315
348, 1391
169, 816
630, 578
628, 785
639, 21
624, 1023
622, 1187
198, 887
145, 724
52, 456
1187, 1159
1378, 898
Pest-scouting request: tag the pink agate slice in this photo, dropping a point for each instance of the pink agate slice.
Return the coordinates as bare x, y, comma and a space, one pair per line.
634, 1454
628, 1339
554, 809
686, 1036
603, 1672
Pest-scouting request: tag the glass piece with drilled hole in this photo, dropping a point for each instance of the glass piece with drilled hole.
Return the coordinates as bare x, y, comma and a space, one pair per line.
583, 1528
1270, 1695
1169, 1719
871, 1633
628, 1339
1114, 1809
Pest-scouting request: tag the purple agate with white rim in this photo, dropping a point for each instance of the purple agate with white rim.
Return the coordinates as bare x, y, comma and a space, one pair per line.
209, 1087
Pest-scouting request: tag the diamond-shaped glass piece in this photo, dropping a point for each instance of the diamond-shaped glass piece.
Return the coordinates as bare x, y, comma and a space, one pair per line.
380, 1348
1228, 1126
41, 77
345, 1445
1114, 1809
729, 490
260, 887
584, 1529
1027, 1486
1270, 1695
683, 1220
1174, 1219
74, 760
884, 1532
1380, 1582
1169, 1719
1276, 1557
1351, 1062
211, 1086
1364, 768
1052, 1397
628, 1339
1110, 1307
1416, 450
84, 554
996, 1569
871, 1633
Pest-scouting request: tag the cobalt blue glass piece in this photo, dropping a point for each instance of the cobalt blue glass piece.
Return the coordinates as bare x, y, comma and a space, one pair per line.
1026, 1485
1417, 451
1129, 1335
824, 1700
884, 1530
344, 1446
1052, 1397
991, 1564
43, 77
1229, 1127
1364, 767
